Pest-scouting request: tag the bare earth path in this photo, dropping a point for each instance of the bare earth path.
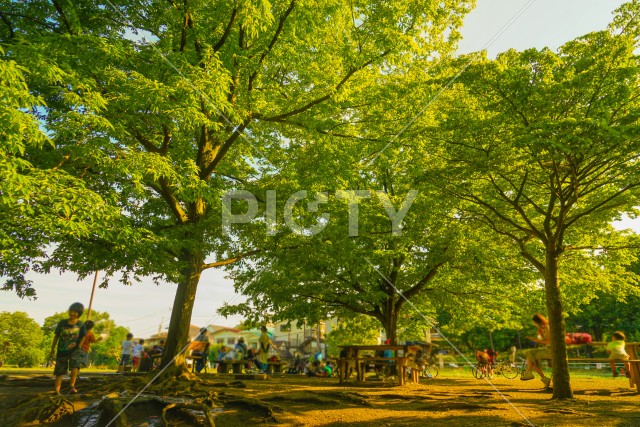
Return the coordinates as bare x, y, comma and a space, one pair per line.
452, 401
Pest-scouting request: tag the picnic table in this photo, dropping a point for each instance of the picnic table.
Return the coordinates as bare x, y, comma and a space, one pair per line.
401, 358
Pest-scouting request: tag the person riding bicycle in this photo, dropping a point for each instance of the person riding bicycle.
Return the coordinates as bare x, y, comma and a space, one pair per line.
483, 357
486, 359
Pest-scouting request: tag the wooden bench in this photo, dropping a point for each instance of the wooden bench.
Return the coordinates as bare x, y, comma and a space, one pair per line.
276, 367
399, 362
633, 349
234, 365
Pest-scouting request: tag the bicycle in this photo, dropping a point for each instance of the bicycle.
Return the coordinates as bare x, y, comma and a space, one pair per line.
506, 369
481, 370
430, 371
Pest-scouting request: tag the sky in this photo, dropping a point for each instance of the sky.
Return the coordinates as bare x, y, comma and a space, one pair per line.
144, 308
498, 25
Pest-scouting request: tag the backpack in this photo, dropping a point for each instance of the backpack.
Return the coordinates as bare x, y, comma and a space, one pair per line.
578, 338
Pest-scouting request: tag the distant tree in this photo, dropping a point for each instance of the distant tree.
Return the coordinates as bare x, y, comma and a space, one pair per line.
24, 336
107, 351
608, 313
500, 340
377, 268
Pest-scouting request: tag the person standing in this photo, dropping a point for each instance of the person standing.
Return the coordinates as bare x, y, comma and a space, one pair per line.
126, 352
534, 356
68, 339
263, 351
241, 349
136, 354
89, 339
204, 352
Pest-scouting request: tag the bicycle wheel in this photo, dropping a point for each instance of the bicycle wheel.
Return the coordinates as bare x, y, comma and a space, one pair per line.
478, 372
431, 371
509, 370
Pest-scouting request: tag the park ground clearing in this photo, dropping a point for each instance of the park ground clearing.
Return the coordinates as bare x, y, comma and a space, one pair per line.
453, 399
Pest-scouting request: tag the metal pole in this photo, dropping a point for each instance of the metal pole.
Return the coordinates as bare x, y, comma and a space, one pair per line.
93, 290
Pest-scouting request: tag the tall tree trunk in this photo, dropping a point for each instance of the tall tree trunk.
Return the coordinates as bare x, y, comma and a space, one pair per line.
182, 309
390, 321
561, 378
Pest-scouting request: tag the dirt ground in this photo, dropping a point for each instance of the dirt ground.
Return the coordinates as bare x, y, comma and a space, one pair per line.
453, 399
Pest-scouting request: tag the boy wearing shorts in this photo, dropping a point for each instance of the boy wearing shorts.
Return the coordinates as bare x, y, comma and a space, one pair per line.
69, 337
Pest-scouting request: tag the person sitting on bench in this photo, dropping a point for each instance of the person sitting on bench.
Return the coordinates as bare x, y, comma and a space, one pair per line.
535, 355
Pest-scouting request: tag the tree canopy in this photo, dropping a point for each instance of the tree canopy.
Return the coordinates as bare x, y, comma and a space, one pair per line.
163, 107
542, 148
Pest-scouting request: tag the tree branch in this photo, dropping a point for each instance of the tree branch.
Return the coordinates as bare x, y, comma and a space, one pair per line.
344, 304
478, 201
8, 24
230, 260
311, 104
274, 39
600, 248
171, 200
185, 24
597, 206
29, 18
516, 206
219, 155
418, 287
533, 260
227, 31
149, 146
63, 16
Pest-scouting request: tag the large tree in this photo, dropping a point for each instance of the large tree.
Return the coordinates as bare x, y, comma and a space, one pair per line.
163, 108
543, 148
374, 246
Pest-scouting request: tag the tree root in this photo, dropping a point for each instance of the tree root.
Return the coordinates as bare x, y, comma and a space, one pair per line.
252, 405
112, 408
205, 409
56, 410
41, 408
